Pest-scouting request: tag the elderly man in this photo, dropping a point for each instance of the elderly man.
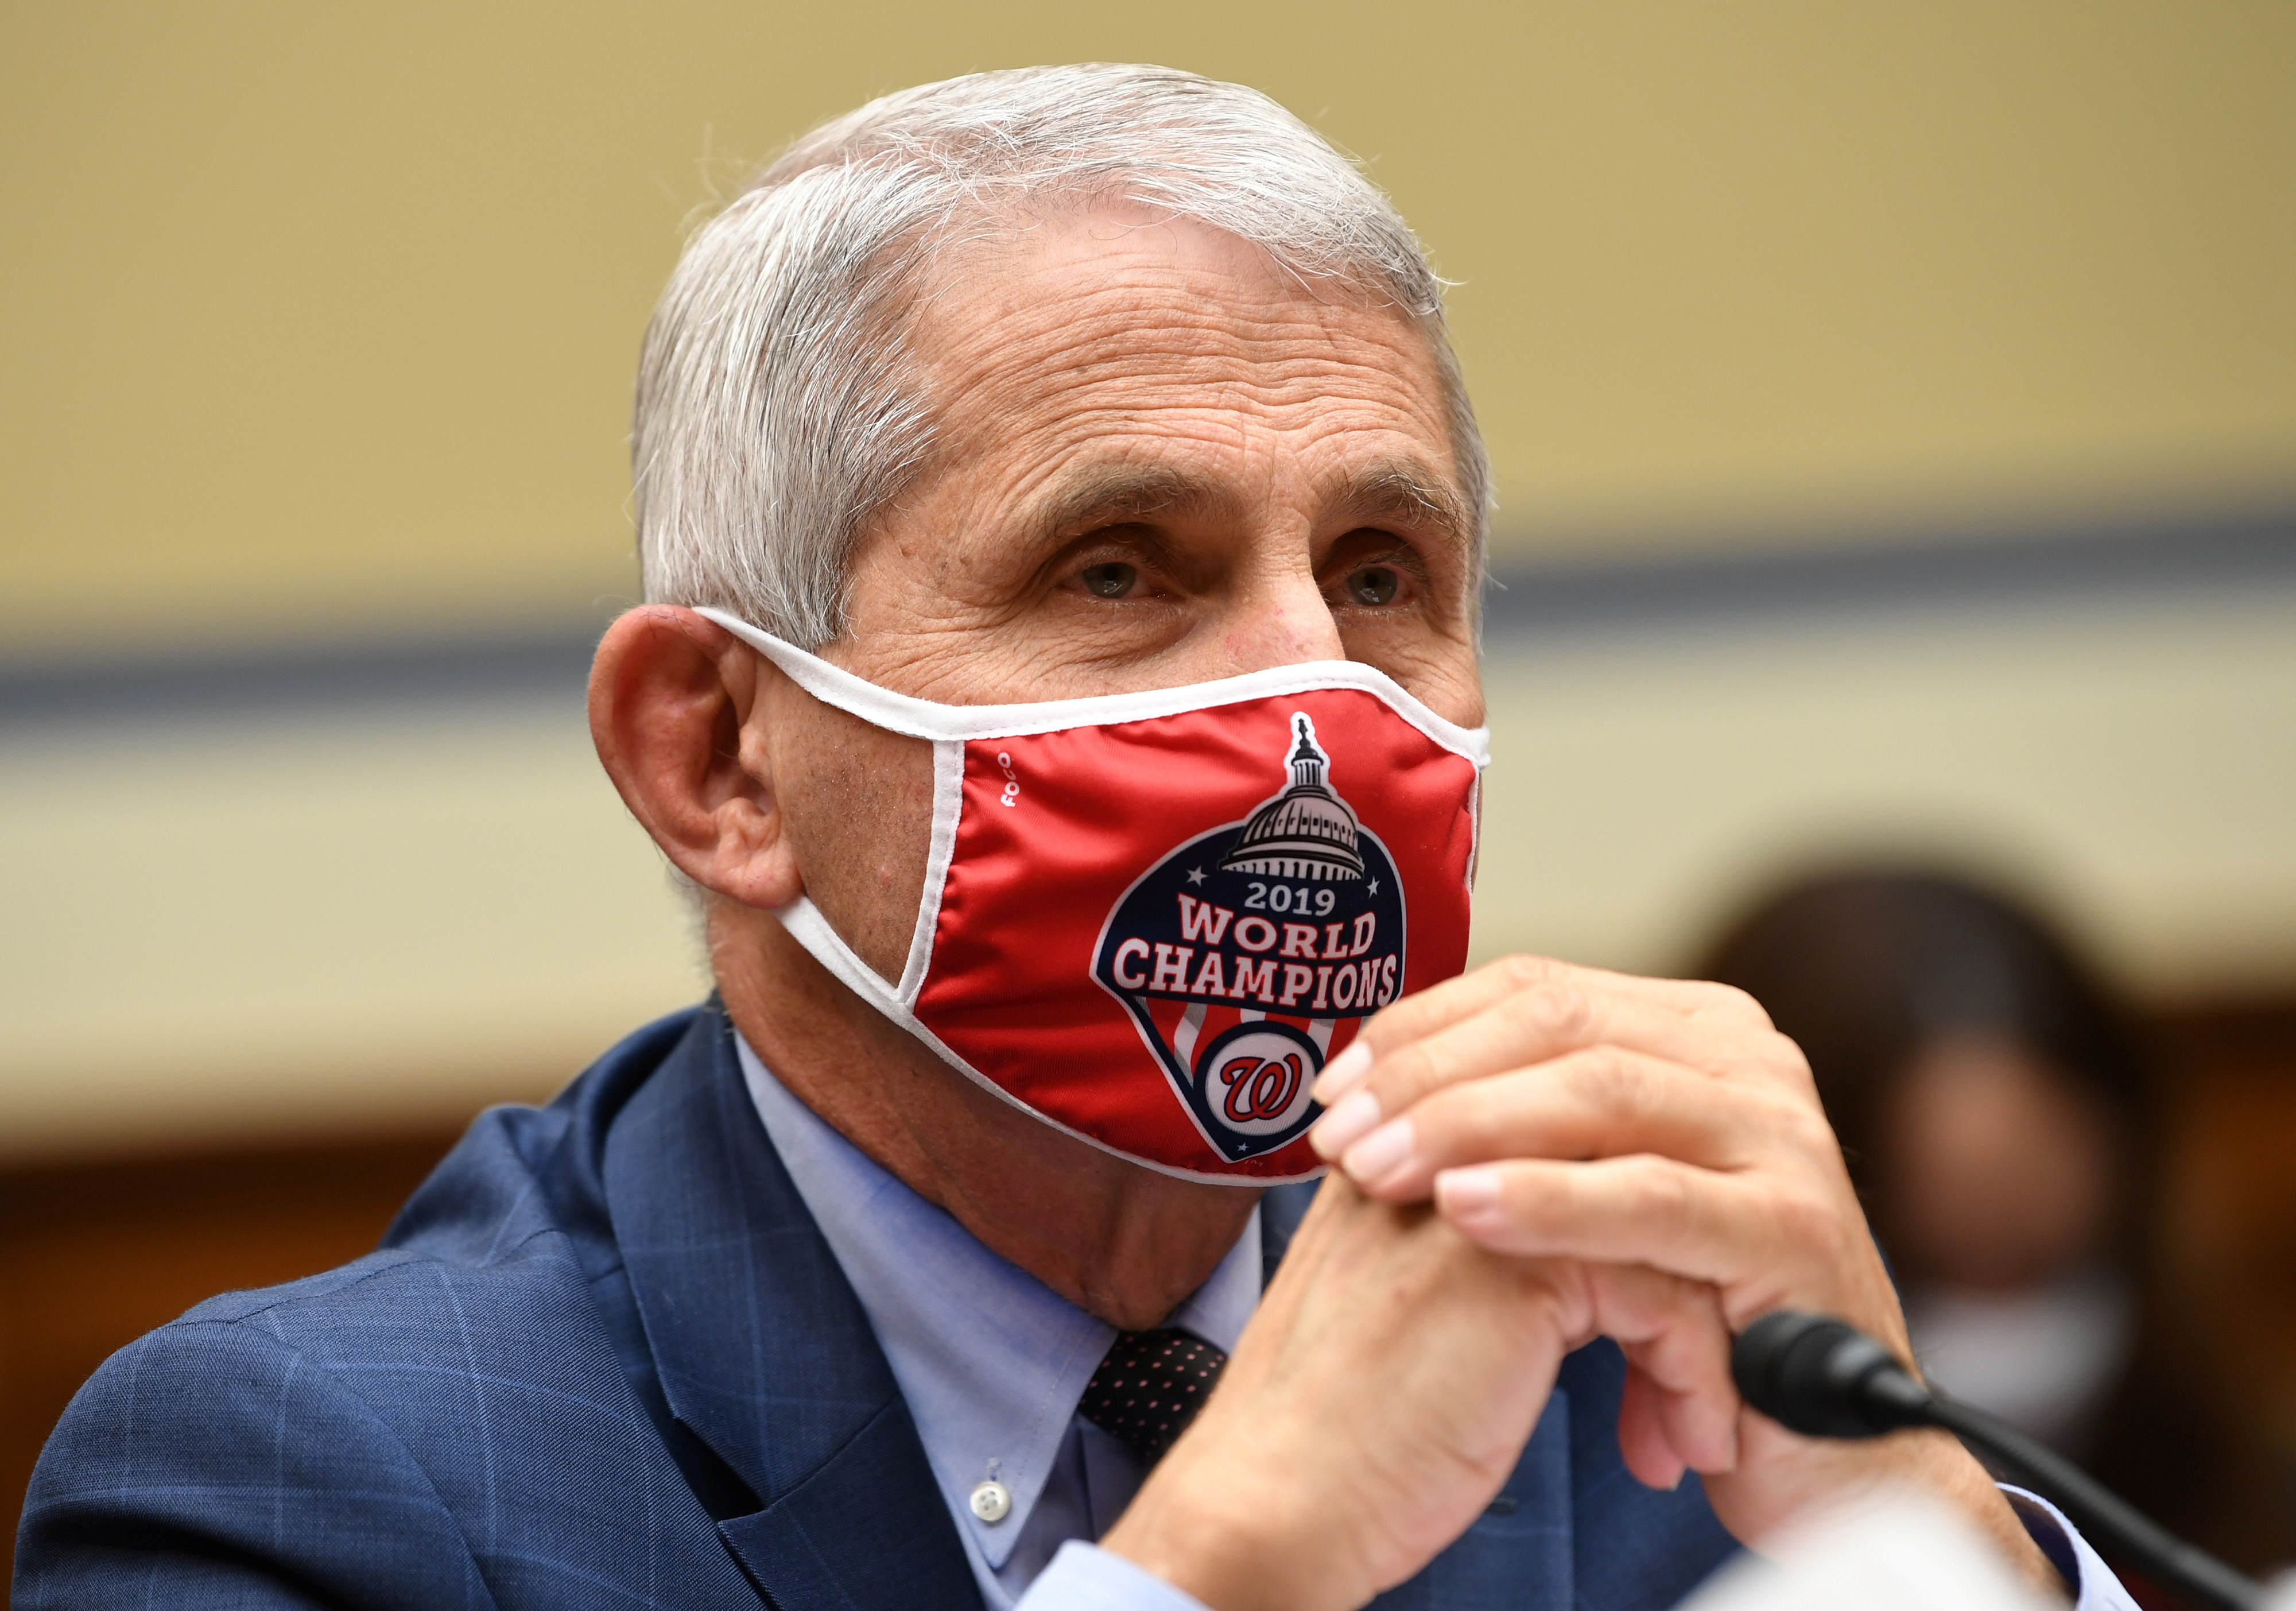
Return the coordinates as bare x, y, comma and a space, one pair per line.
1063, 522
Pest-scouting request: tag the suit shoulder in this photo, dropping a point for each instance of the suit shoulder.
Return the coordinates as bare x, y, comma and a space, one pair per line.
404, 1431
325, 1313
176, 1461
403, 1336
370, 1279
481, 1233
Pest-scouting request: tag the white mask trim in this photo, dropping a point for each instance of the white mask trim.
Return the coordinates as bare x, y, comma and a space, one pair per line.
811, 930
924, 719
948, 805
1474, 830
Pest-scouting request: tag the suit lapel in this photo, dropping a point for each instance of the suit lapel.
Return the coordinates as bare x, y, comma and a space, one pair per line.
764, 1355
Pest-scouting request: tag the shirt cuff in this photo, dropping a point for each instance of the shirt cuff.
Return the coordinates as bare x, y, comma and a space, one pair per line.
2094, 1586
1084, 1577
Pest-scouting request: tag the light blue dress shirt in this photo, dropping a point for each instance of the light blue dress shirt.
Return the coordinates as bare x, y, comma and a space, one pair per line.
991, 1362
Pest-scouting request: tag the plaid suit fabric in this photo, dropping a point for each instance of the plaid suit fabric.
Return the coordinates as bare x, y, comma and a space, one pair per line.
606, 1359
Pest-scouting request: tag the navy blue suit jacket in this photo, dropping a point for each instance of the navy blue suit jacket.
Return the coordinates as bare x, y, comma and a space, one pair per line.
605, 1358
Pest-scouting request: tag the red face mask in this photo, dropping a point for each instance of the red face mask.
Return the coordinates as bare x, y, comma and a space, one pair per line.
1150, 919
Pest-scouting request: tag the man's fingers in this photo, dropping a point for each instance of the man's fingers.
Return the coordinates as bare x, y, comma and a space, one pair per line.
1602, 1102
1437, 1008
1643, 1442
1540, 1025
1674, 1339
1756, 1236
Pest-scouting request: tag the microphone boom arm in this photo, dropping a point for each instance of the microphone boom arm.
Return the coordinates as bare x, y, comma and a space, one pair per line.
1823, 1378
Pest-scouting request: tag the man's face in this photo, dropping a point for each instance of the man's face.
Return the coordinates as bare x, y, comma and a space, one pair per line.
1158, 460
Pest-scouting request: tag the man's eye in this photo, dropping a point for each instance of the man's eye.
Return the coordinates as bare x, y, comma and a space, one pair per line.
1374, 584
1113, 580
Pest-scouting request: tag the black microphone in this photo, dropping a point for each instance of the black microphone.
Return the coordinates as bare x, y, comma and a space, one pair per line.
1823, 1378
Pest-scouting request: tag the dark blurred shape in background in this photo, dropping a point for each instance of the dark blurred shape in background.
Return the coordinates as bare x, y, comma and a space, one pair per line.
1995, 1113
2004, 1120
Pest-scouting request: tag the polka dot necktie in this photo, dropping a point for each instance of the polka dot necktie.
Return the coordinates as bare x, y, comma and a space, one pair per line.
1150, 1387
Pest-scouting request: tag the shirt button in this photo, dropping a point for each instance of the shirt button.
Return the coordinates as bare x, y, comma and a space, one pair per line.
991, 1502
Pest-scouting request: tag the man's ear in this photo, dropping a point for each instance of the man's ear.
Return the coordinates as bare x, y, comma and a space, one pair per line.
671, 697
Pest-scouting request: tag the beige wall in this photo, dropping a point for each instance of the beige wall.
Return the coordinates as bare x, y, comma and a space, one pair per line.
315, 315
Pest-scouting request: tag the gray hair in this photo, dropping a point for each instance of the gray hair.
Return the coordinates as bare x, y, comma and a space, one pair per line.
776, 409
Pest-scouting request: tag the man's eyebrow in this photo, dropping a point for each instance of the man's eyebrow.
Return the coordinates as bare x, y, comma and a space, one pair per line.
1402, 490
1408, 492
1114, 496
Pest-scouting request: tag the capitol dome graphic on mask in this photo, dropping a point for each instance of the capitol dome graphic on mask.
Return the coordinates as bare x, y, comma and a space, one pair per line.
1306, 832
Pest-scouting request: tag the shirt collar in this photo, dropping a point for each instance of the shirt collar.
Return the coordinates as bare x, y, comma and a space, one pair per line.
990, 1360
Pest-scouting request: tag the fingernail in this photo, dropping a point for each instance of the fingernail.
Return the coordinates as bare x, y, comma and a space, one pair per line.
1355, 1116
1467, 1193
1379, 1152
1342, 1074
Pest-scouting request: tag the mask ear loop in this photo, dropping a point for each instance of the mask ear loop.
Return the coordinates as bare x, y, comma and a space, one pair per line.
812, 929
893, 713
948, 806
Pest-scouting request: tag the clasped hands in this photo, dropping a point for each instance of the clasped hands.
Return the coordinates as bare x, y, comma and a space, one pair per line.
1527, 1157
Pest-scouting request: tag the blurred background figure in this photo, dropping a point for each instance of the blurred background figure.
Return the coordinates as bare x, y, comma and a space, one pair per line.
1992, 1106
2000, 1115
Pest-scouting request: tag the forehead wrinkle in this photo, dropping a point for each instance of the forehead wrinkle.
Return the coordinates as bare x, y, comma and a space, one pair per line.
976, 339
1105, 357
1162, 370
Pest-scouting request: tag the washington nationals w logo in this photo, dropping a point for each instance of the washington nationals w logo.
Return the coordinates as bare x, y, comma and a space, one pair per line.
1259, 1089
